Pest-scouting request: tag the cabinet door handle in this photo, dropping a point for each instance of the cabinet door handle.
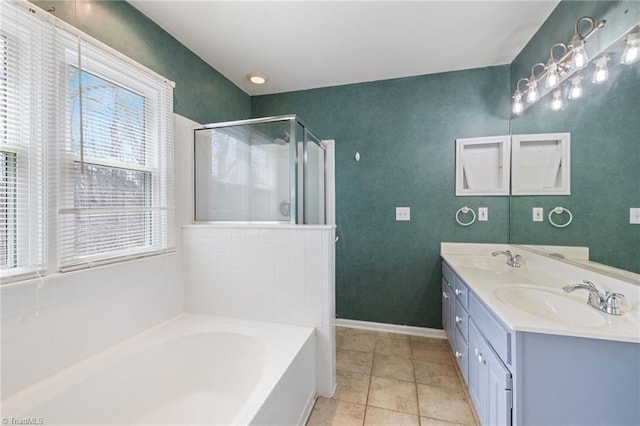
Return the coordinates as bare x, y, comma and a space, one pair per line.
458, 292
445, 295
458, 354
458, 319
480, 358
477, 352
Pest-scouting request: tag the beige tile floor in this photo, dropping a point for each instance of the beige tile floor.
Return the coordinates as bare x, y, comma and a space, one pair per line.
393, 379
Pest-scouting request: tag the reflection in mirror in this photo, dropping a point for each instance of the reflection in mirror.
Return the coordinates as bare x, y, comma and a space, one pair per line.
580, 256
605, 152
541, 164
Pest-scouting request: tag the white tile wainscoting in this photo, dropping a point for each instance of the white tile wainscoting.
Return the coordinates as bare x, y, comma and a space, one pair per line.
278, 273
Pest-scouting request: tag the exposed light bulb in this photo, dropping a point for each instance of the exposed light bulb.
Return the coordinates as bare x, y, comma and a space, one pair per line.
632, 50
601, 74
579, 59
532, 91
553, 78
517, 107
556, 102
576, 88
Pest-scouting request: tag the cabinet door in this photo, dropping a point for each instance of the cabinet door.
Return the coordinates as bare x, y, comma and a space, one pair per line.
461, 352
447, 313
499, 395
477, 372
489, 381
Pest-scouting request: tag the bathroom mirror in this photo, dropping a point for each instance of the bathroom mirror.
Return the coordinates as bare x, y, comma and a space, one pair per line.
604, 124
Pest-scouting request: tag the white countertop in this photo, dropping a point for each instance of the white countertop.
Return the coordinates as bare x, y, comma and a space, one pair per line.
487, 275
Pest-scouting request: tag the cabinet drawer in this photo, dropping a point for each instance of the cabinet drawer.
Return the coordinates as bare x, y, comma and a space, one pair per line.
461, 292
448, 274
461, 353
496, 334
461, 319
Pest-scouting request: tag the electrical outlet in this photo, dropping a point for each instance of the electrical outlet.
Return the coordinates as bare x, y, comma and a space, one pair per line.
403, 213
538, 214
634, 215
483, 214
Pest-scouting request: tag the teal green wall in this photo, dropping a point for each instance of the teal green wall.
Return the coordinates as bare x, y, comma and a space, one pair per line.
201, 94
405, 131
605, 143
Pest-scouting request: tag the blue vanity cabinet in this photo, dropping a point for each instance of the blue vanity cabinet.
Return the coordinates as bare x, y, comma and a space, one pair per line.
482, 347
523, 378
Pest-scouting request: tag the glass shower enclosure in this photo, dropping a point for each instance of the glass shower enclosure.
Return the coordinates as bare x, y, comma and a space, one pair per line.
264, 170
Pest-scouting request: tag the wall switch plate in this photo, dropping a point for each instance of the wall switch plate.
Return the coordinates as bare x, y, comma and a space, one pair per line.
634, 215
483, 214
538, 214
403, 213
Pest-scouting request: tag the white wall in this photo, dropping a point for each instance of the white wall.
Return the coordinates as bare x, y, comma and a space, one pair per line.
50, 324
276, 273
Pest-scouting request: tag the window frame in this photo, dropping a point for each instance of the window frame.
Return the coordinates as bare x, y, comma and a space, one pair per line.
35, 52
29, 214
117, 73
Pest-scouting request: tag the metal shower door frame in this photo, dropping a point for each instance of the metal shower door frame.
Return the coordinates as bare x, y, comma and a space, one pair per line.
293, 167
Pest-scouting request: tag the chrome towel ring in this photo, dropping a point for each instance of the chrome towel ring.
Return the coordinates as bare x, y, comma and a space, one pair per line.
465, 210
559, 211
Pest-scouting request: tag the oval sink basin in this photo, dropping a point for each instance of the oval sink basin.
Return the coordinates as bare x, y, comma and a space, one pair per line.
551, 305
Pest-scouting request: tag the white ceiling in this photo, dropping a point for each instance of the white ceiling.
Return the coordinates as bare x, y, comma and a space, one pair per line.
309, 44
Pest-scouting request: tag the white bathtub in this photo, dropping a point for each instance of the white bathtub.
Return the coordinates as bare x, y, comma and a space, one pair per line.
192, 369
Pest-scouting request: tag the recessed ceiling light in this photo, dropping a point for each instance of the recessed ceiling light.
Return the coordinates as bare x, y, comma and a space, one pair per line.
257, 77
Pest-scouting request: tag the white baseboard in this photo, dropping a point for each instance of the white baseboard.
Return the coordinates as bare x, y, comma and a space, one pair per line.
391, 328
306, 412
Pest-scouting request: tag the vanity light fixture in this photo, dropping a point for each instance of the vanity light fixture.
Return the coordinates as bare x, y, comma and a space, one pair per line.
580, 59
573, 56
575, 91
257, 78
553, 77
532, 84
554, 69
556, 102
632, 50
518, 107
601, 74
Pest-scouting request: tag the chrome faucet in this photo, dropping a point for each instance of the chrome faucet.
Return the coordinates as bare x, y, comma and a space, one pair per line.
511, 259
602, 301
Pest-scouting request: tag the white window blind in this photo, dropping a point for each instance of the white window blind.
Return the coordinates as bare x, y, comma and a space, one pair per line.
26, 95
86, 147
115, 190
